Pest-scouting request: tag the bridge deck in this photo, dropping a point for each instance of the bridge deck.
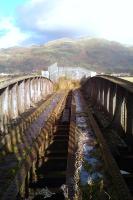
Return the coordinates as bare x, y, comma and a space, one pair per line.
60, 144
17, 144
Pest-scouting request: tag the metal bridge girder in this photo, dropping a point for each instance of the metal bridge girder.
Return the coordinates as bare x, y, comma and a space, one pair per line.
19, 95
115, 96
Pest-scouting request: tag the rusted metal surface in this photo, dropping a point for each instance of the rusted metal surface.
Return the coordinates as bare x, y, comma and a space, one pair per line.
19, 95
115, 96
13, 80
26, 135
26, 142
110, 100
37, 137
71, 152
123, 83
111, 165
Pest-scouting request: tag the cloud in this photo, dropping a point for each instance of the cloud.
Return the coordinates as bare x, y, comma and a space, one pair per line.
10, 35
38, 21
52, 19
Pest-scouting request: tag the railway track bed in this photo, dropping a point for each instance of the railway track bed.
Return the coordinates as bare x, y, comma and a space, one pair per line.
70, 159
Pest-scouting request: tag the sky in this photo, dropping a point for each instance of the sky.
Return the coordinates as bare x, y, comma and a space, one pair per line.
35, 22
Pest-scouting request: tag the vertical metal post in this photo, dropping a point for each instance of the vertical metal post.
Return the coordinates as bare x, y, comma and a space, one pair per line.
27, 94
21, 97
129, 120
13, 99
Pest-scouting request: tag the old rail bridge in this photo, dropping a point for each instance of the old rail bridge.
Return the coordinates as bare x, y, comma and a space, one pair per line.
60, 145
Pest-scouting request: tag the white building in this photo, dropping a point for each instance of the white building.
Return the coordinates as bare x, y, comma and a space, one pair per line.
45, 74
75, 73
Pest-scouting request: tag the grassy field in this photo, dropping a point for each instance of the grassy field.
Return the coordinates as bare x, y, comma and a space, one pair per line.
128, 78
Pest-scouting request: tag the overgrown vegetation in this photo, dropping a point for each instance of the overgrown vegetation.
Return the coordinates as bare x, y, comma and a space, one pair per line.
65, 83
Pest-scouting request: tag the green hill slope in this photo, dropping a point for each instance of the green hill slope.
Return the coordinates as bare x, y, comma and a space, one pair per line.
95, 54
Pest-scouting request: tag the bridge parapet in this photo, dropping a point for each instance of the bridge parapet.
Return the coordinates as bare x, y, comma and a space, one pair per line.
115, 96
19, 94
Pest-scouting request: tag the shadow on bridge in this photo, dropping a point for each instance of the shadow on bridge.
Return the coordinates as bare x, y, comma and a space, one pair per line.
110, 100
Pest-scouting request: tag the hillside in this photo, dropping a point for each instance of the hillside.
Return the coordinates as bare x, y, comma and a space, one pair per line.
96, 54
